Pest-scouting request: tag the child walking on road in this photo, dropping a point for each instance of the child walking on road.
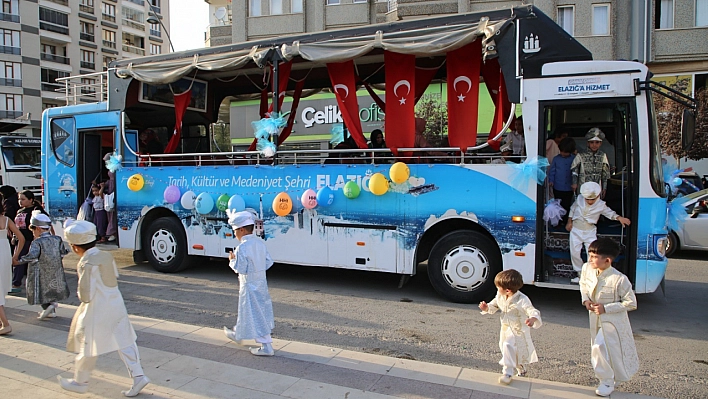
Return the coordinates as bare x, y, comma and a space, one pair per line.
255, 308
100, 324
518, 314
607, 295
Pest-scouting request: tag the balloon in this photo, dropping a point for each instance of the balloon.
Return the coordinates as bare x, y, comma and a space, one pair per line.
222, 202
351, 189
399, 172
282, 204
188, 199
325, 196
676, 181
172, 194
204, 203
236, 203
378, 185
309, 199
136, 182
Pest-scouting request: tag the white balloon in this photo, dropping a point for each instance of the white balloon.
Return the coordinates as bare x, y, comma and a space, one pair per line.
188, 199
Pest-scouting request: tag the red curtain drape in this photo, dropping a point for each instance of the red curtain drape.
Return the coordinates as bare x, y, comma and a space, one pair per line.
293, 112
400, 100
181, 103
494, 80
343, 79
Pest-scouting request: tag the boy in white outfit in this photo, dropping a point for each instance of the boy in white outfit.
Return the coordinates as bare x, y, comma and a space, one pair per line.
101, 323
518, 314
607, 295
582, 218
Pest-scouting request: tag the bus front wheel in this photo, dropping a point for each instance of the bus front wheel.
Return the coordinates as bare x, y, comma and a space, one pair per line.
462, 266
165, 245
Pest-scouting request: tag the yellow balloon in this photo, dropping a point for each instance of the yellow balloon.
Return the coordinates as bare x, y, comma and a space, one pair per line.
136, 182
378, 185
282, 204
399, 172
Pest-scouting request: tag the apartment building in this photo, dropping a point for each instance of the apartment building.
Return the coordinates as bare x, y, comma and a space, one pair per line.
669, 36
43, 40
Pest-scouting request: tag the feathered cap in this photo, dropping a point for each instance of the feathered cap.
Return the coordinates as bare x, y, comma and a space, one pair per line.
595, 134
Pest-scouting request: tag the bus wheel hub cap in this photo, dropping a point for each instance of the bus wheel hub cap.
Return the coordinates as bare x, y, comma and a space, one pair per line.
163, 246
465, 268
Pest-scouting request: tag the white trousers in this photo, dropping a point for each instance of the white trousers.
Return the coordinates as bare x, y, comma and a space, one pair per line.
600, 359
266, 339
575, 241
508, 350
84, 365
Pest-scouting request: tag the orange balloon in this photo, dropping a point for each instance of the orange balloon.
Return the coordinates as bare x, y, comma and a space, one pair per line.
282, 204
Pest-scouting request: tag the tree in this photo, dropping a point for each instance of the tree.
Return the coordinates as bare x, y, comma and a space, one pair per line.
668, 118
434, 111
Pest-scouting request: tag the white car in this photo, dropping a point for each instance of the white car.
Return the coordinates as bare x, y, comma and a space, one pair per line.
692, 233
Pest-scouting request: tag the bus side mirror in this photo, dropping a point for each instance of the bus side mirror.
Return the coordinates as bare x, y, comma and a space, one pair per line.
688, 129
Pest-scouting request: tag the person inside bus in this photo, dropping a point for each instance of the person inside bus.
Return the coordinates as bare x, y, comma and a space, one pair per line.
505, 153
553, 143
377, 141
516, 140
422, 142
592, 165
149, 143
560, 177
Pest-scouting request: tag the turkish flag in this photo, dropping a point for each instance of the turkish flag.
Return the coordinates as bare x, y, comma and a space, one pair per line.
181, 103
494, 80
343, 79
400, 100
463, 67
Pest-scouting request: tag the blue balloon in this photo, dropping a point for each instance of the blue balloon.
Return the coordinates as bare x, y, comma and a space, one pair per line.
236, 203
325, 196
677, 181
204, 203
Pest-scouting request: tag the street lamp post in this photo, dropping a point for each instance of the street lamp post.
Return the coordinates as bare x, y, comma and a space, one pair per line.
153, 18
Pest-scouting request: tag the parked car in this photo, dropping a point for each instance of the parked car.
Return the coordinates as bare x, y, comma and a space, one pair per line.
692, 232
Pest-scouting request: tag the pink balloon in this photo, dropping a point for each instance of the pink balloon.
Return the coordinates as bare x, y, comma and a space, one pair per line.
172, 194
309, 199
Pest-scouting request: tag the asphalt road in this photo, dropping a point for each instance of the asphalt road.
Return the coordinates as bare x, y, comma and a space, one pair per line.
365, 311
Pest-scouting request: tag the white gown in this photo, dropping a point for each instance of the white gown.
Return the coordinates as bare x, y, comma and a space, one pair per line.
5, 263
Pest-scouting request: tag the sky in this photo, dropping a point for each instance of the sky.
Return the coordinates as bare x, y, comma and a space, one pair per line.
188, 22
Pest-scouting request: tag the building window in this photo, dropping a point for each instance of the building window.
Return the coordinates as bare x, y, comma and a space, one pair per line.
392, 5
566, 19
360, 1
107, 61
11, 74
133, 18
333, 2
155, 30
276, 7
53, 21
50, 52
48, 78
296, 6
701, 12
254, 8
664, 14
109, 39
155, 49
10, 11
601, 19
86, 6
156, 6
88, 59
88, 86
87, 32
49, 105
108, 12
10, 106
10, 41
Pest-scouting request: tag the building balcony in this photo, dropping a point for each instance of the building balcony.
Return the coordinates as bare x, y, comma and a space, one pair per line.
108, 17
61, 2
10, 114
138, 2
9, 17
87, 37
134, 25
155, 33
88, 65
86, 9
156, 9
55, 58
10, 50
109, 44
133, 50
51, 27
11, 82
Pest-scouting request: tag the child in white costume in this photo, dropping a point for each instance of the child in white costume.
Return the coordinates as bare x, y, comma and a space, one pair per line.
607, 295
582, 218
518, 314
255, 307
101, 323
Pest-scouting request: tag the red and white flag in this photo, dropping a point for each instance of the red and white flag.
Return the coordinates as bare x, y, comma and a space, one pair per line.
400, 100
463, 67
343, 78
181, 103
494, 80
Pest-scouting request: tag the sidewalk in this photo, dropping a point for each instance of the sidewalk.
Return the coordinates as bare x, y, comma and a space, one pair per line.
192, 362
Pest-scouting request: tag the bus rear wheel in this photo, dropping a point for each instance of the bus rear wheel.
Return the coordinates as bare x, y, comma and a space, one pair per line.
165, 245
462, 266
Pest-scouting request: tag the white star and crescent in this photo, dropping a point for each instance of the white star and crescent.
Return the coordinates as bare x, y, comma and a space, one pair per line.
402, 100
461, 97
341, 86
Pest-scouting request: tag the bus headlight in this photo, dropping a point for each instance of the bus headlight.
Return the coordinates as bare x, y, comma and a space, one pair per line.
660, 245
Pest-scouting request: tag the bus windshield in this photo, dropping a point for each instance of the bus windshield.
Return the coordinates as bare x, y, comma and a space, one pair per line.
22, 157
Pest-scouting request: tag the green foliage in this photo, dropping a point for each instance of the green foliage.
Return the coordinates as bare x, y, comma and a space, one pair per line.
434, 111
668, 118
222, 137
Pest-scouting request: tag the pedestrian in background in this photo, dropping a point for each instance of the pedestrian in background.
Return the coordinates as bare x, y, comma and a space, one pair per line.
607, 295
46, 282
22, 221
250, 260
517, 315
100, 324
7, 260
